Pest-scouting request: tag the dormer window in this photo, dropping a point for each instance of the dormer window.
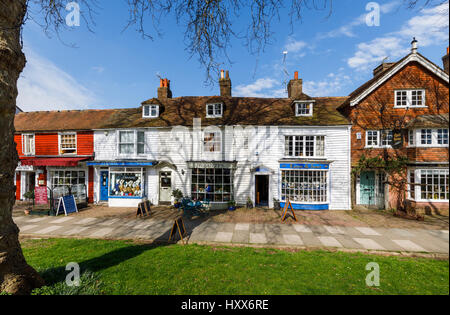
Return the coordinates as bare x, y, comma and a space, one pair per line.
304, 108
214, 110
150, 111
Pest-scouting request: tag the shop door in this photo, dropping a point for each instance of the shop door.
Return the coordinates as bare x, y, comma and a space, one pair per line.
262, 190
165, 186
31, 182
367, 188
104, 185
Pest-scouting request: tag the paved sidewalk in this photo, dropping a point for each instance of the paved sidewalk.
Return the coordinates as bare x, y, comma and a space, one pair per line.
355, 238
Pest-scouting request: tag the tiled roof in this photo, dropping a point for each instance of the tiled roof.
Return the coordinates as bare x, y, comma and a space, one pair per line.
429, 121
182, 110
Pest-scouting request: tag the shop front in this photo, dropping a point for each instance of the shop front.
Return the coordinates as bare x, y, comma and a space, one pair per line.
212, 182
305, 185
121, 183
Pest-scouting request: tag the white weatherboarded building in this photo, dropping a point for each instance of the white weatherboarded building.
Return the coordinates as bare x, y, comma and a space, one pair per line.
224, 148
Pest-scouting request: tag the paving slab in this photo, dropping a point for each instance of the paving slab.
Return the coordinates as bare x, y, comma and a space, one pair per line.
224, 237
241, 237
368, 243
28, 227
242, 227
258, 238
334, 229
329, 241
367, 231
302, 228
49, 229
409, 246
293, 239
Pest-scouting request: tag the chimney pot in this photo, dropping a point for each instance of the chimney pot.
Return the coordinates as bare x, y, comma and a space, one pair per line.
295, 87
414, 45
164, 91
225, 84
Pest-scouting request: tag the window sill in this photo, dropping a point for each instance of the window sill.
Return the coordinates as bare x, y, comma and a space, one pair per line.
409, 107
378, 147
430, 200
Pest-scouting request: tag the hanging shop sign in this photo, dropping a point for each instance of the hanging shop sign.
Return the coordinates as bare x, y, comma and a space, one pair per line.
397, 139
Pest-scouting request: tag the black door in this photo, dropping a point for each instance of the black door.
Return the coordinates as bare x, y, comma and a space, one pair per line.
262, 190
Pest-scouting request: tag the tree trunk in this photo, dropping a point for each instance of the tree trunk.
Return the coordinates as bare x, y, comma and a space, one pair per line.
16, 276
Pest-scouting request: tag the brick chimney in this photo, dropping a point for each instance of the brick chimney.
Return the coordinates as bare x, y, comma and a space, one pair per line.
445, 61
381, 68
225, 84
295, 87
164, 91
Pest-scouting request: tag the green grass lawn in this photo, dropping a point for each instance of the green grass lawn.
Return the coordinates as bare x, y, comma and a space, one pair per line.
132, 268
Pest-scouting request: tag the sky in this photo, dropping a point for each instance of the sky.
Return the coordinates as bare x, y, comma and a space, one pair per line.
110, 67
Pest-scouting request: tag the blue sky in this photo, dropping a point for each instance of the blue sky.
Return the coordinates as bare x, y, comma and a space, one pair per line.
115, 69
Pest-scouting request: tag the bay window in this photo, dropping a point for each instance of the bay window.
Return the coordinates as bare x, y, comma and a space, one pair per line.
433, 184
304, 146
131, 142
428, 137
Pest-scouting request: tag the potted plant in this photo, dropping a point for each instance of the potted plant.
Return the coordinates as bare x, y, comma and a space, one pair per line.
232, 205
177, 195
249, 203
276, 204
29, 195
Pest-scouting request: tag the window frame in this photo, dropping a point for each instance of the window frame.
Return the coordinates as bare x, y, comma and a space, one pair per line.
307, 103
379, 138
33, 151
409, 97
60, 135
204, 142
417, 134
417, 183
303, 145
150, 107
135, 143
303, 184
215, 114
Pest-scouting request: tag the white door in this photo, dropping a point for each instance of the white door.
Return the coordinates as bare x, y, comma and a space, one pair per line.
165, 186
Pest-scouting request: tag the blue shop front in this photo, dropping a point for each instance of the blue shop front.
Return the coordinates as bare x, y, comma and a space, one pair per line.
121, 183
306, 185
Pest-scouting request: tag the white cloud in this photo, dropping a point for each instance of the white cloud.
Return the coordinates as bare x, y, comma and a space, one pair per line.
44, 86
430, 27
294, 46
332, 85
263, 87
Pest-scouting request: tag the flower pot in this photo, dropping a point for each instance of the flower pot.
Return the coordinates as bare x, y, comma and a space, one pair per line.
27, 212
231, 208
177, 205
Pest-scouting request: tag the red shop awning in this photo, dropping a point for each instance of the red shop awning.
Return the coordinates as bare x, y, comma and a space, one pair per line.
53, 161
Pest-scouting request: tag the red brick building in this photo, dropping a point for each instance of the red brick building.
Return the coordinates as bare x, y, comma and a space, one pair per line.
402, 112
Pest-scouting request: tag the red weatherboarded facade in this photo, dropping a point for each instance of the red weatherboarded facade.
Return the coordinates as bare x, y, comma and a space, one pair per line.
402, 113
55, 159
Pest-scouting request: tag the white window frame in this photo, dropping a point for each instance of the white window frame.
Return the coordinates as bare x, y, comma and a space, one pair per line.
218, 134
60, 143
216, 113
417, 134
151, 108
309, 107
411, 137
295, 141
33, 149
418, 184
409, 98
379, 139
135, 143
